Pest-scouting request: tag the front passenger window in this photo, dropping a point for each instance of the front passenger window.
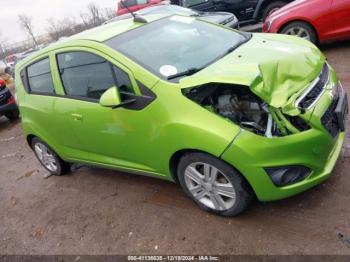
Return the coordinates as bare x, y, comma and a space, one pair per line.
85, 75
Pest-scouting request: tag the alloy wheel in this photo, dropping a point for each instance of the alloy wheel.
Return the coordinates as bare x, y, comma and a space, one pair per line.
210, 186
298, 31
46, 157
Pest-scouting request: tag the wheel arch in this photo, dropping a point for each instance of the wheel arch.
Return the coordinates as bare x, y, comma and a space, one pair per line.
30, 138
284, 25
175, 158
262, 4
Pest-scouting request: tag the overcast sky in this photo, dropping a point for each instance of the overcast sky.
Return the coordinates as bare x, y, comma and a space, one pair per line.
40, 10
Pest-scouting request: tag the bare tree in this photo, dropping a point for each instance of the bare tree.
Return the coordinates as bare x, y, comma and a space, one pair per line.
93, 17
26, 22
3, 51
53, 29
108, 14
95, 14
59, 28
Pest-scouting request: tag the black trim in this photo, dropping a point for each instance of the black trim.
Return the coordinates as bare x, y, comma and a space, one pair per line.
131, 101
140, 102
26, 78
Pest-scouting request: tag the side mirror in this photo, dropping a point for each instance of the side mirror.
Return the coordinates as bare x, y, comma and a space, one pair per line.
111, 98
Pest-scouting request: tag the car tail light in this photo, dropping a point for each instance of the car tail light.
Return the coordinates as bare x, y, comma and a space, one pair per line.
11, 100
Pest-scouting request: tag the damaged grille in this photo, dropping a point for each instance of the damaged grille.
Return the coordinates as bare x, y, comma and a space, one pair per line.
315, 90
329, 119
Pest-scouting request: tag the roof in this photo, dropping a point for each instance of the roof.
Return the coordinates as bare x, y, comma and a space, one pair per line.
105, 32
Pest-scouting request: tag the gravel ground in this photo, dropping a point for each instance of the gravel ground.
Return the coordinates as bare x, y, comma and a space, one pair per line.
98, 211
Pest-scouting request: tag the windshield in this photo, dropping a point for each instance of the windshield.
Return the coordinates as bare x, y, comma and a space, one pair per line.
176, 44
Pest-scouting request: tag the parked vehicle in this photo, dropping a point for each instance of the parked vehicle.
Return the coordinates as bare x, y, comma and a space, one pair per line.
26, 54
223, 18
186, 100
8, 106
315, 20
247, 11
11, 59
134, 5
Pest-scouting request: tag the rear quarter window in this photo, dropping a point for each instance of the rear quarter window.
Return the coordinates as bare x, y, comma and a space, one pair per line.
40, 78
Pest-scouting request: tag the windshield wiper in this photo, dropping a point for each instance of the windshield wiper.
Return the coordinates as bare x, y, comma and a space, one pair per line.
188, 72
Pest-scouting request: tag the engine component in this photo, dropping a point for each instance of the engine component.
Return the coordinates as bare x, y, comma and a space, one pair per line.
241, 106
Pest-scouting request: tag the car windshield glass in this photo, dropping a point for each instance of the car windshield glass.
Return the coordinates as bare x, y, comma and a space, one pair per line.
176, 44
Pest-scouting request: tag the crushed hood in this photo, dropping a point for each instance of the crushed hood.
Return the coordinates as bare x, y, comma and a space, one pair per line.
277, 68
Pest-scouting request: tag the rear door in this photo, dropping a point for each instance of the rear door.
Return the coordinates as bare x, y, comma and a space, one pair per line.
37, 106
340, 12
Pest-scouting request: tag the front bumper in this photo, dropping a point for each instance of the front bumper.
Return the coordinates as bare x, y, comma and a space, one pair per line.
316, 149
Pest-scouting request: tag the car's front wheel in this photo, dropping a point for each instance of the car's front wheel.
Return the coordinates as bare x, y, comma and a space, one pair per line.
302, 30
48, 158
213, 184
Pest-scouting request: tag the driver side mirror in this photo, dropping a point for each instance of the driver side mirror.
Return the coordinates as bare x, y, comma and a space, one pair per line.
111, 98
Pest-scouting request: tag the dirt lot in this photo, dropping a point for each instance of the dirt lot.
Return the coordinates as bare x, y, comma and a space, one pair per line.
97, 211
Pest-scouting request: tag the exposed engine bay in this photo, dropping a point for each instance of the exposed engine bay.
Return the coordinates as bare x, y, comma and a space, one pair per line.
241, 106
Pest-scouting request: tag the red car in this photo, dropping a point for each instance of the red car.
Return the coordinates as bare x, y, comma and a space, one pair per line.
8, 106
134, 5
316, 20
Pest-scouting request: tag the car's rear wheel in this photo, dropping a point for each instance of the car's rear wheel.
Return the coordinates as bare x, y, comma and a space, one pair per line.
12, 115
213, 184
48, 158
272, 7
302, 30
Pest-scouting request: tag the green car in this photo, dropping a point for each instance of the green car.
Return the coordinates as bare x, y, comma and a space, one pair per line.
231, 116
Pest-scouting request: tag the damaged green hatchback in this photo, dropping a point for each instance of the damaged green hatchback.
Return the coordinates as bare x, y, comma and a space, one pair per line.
229, 115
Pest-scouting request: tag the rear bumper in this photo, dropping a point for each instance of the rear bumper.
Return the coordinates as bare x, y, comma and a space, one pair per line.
7, 108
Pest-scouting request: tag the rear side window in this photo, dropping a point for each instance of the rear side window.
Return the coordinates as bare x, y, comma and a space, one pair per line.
87, 75
40, 78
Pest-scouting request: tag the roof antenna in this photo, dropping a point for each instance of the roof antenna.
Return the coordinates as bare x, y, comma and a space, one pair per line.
137, 18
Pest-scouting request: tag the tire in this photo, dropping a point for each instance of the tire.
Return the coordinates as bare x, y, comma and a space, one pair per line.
12, 115
301, 29
227, 185
272, 7
57, 167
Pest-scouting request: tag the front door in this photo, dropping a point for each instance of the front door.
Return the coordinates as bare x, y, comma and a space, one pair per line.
107, 136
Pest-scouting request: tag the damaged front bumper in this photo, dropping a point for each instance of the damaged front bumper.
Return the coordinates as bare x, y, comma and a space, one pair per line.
316, 149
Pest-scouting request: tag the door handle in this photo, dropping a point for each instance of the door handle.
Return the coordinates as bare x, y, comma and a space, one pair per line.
77, 117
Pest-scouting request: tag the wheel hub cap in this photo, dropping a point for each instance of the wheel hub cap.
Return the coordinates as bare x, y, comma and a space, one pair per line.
210, 186
45, 157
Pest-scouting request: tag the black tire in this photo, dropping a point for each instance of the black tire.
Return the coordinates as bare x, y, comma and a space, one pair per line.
243, 192
271, 7
308, 28
12, 115
62, 166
